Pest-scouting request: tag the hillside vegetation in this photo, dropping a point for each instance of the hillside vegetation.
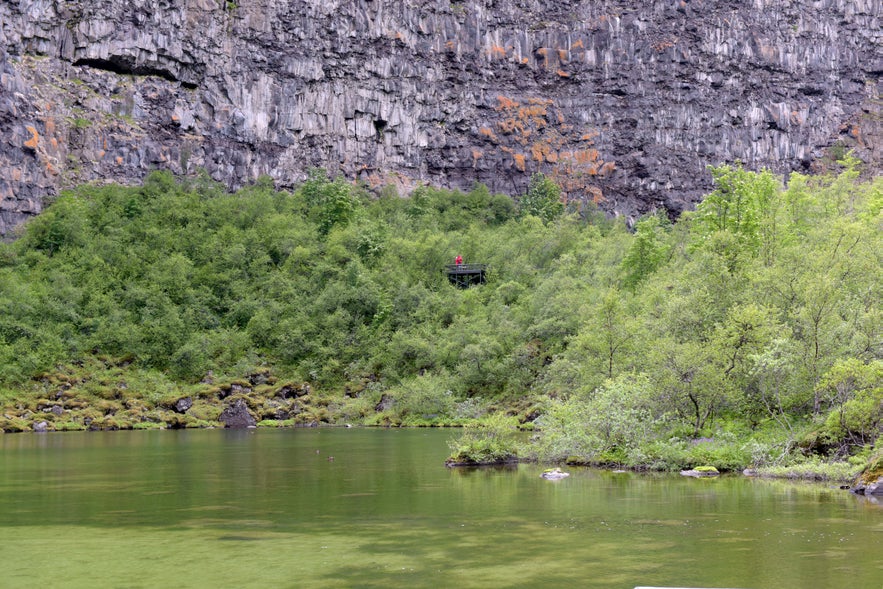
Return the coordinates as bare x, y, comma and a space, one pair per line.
746, 333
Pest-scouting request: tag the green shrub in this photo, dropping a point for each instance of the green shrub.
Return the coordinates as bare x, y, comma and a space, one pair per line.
599, 426
814, 468
148, 425
424, 397
493, 441
69, 426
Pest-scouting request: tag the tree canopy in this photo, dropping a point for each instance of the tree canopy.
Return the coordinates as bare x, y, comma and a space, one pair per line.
762, 306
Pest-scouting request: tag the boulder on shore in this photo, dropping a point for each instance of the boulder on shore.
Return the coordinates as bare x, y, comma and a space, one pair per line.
870, 482
184, 405
874, 488
237, 415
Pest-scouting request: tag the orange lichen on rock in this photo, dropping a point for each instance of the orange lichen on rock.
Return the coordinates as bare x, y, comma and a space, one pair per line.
576, 187
35, 138
584, 156
534, 112
523, 120
375, 180
509, 125
504, 103
544, 151
119, 160
563, 74
497, 51
489, 133
856, 133
534, 128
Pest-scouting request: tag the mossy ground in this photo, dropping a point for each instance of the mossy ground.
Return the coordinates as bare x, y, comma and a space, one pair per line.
110, 395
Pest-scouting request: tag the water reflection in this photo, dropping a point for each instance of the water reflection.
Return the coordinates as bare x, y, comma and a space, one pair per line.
252, 508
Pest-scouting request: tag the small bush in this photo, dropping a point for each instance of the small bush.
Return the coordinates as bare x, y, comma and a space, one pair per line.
494, 441
69, 426
148, 425
814, 468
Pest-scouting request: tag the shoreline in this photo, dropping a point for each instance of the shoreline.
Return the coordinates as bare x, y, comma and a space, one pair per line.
797, 473
65, 402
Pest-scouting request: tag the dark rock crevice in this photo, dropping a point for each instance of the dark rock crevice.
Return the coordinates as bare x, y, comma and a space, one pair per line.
126, 65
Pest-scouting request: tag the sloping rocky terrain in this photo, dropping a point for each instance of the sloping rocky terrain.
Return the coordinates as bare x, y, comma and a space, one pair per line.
624, 103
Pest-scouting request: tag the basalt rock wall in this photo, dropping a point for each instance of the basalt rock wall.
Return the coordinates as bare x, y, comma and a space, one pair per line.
624, 103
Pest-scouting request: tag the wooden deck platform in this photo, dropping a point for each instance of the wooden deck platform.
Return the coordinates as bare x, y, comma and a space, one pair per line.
466, 275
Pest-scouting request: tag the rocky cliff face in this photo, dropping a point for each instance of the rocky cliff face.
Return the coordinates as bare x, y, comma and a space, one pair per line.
623, 102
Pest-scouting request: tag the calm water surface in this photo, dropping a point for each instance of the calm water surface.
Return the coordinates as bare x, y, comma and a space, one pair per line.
268, 508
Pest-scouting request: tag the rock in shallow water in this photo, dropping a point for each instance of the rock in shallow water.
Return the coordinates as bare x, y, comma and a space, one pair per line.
701, 471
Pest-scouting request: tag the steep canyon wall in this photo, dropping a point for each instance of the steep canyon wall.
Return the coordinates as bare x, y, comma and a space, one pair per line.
624, 103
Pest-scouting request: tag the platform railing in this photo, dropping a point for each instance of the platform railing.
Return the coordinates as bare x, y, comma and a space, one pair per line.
465, 268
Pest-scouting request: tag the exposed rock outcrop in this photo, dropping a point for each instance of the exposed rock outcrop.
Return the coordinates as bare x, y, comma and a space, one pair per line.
871, 488
237, 415
870, 481
623, 102
183, 405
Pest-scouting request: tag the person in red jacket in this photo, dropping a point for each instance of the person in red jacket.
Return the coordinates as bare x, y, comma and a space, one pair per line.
458, 260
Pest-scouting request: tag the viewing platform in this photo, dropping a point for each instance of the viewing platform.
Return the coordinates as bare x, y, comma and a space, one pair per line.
466, 275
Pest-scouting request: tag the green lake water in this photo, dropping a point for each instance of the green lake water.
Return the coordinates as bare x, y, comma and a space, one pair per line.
267, 508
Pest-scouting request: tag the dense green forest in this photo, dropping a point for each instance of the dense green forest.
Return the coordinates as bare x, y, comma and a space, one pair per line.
746, 333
